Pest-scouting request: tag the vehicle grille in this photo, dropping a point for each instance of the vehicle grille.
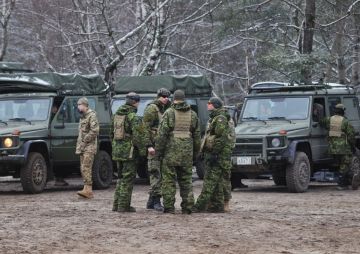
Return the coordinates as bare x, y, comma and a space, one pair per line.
245, 146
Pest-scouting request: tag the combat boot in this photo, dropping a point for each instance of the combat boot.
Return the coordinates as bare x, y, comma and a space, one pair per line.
355, 181
86, 192
342, 183
157, 204
130, 209
227, 206
150, 202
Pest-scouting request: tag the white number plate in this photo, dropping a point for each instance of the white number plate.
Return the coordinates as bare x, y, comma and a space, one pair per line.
243, 160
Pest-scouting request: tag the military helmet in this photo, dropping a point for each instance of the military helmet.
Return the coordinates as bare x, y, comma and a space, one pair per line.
163, 92
179, 95
132, 98
340, 106
216, 102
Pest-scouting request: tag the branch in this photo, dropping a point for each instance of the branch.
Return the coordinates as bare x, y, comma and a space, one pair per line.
202, 67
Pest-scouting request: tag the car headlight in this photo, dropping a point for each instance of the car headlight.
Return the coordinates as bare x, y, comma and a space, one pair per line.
8, 142
275, 142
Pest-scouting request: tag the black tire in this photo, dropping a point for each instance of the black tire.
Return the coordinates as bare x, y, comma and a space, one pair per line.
33, 175
355, 165
279, 177
142, 169
200, 168
298, 174
102, 171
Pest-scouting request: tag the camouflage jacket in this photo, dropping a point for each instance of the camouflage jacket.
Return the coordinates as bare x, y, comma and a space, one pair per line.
132, 144
151, 120
88, 133
218, 130
343, 144
174, 150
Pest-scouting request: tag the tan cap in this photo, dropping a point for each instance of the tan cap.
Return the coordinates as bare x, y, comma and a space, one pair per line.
83, 101
340, 106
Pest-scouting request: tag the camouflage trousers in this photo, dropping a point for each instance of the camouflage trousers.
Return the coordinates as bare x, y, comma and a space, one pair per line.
213, 188
86, 163
227, 183
124, 186
183, 174
154, 171
344, 161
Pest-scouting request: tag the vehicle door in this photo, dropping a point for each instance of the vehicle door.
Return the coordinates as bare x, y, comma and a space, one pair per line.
65, 130
351, 104
318, 141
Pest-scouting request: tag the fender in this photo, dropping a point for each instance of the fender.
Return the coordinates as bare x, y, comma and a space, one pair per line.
290, 152
25, 148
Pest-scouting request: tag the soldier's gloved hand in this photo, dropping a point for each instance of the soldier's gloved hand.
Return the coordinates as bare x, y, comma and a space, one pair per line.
213, 158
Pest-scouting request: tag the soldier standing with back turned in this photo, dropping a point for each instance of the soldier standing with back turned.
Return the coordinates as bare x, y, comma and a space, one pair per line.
151, 121
127, 146
86, 144
178, 144
341, 139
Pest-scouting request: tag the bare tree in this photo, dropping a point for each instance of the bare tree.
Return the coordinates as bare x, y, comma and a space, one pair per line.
6, 8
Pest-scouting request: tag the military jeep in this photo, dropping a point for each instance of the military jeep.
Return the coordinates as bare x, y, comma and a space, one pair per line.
279, 131
39, 127
197, 90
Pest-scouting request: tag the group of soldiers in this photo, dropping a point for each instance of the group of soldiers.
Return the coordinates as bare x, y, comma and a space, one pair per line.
169, 136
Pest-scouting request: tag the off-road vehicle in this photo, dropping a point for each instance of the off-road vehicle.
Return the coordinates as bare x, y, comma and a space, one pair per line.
39, 127
197, 90
279, 131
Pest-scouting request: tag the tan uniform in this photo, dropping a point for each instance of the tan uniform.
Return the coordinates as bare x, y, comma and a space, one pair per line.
86, 144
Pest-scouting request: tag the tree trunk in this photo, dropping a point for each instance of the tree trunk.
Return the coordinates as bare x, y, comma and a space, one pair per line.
356, 50
307, 44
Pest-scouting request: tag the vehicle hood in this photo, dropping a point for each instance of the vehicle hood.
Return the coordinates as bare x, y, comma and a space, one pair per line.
269, 128
22, 127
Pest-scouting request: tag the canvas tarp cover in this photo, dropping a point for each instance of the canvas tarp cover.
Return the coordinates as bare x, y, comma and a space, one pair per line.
53, 82
191, 85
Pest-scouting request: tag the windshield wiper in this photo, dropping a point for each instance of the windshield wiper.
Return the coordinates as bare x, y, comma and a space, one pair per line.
1, 121
253, 118
279, 118
20, 119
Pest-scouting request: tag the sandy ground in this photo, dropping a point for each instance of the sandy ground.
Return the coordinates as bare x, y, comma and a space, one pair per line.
264, 219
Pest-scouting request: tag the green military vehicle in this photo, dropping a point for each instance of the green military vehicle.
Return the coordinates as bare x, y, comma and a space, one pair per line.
39, 127
197, 90
279, 131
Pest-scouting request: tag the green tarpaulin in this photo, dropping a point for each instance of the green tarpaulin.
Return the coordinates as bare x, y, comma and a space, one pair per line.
53, 82
192, 85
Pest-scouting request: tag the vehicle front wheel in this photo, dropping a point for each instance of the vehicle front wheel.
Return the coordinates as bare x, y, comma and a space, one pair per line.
102, 171
33, 175
279, 177
355, 165
298, 173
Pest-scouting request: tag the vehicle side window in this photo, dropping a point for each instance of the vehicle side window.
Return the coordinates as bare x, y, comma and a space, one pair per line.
332, 101
351, 105
318, 109
70, 112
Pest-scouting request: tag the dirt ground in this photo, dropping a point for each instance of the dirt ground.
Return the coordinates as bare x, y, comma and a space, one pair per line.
264, 219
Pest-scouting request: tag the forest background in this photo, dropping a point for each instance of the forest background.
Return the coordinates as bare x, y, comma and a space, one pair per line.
234, 43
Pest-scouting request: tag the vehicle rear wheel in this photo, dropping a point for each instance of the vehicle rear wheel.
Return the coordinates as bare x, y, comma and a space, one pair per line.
355, 165
102, 171
33, 175
279, 177
298, 173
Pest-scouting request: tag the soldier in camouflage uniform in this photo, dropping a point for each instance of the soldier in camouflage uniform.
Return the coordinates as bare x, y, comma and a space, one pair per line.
127, 146
86, 144
341, 139
217, 146
151, 121
178, 144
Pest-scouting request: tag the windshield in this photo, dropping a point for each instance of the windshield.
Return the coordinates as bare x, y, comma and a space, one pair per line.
287, 108
25, 109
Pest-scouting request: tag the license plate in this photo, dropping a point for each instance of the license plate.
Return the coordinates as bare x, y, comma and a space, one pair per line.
243, 160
